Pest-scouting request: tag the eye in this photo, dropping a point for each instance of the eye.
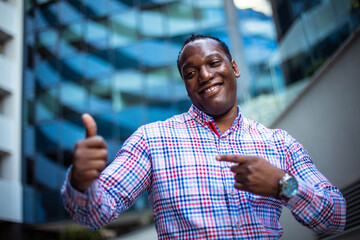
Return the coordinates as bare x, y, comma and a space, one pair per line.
190, 74
215, 63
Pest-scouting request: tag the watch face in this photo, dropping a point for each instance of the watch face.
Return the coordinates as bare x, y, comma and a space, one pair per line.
291, 188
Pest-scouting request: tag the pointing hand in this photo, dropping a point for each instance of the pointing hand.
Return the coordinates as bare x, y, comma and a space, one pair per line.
90, 156
254, 174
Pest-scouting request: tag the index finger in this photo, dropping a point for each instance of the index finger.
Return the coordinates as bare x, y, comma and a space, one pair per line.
90, 125
233, 158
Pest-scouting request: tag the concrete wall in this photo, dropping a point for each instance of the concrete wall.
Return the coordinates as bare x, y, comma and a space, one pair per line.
325, 118
11, 38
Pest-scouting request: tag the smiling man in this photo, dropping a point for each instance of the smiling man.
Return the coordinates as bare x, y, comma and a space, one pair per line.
210, 173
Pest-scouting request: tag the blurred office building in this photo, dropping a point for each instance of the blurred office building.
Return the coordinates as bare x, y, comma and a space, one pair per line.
116, 59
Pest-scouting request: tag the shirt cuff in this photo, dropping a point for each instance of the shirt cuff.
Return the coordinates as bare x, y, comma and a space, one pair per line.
81, 200
302, 199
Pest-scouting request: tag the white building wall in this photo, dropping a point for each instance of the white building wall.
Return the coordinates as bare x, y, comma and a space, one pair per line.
11, 45
325, 119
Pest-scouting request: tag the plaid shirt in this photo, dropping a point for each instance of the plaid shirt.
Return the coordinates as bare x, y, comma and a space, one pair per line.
192, 195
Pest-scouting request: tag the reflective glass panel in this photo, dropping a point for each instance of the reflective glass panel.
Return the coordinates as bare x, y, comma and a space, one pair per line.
100, 96
29, 106
29, 22
152, 22
47, 137
48, 205
127, 89
97, 32
158, 87
70, 11
209, 13
181, 18
97, 64
29, 61
96, 8
46, 15
48, 41
106, 125
73, 68
29, 141
73, 98
164, 53
118, 5
71, 39
125, 58
47, 172
47, 106
29, 204
47, 73
123, 28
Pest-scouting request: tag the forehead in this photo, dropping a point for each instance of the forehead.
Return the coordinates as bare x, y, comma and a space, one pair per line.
200, 47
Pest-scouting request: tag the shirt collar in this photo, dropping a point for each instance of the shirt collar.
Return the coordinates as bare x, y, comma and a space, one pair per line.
203, 118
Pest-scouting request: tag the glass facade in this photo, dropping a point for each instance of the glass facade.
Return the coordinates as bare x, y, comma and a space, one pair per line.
309, 34
114, 59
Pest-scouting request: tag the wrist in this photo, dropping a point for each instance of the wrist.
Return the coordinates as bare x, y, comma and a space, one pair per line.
73, 182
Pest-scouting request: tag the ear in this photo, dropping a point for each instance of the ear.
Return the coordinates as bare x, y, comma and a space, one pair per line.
235, 68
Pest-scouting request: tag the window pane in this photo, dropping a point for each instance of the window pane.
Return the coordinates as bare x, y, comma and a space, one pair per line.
158, 88
123, 28
46, 15
47, 137
100, 96
97, 32
127, 89
73, 98
106, 126
47, 43
95, 8
210, 13
71, 40
46, 105
125, 58
97, 64
29, 141
73, 68
118, 5
70, 11
181, 18
47, 73
152, 23
47, 171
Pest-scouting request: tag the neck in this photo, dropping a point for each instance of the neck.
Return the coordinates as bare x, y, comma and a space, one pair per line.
225, 121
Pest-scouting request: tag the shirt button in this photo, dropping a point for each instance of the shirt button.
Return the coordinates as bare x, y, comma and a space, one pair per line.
238, 225
232, 192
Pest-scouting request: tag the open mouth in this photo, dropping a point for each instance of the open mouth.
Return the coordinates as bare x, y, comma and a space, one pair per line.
210, 90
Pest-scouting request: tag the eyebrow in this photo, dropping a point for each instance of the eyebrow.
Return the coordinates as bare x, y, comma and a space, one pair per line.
207, 57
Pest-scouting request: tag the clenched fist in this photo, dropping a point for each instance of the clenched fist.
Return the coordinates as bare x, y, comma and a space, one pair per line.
90, 156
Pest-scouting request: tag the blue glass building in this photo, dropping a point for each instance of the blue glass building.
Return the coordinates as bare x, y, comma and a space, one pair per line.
114, 59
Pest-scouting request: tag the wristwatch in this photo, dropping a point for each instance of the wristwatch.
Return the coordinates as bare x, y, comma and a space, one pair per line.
288, 186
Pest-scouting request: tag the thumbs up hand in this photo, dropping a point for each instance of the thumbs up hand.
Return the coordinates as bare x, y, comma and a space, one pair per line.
90, 156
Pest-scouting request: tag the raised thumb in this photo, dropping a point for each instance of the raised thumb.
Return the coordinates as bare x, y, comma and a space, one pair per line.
90, 125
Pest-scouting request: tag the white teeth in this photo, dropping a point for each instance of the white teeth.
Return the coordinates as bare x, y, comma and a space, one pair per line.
210, 89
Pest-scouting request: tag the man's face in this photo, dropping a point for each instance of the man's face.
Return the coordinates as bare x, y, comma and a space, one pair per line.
209, 76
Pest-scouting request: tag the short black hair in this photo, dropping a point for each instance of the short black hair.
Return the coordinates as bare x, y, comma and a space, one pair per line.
193, 38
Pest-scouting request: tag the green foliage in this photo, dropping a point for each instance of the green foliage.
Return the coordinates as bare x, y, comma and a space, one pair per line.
79, 233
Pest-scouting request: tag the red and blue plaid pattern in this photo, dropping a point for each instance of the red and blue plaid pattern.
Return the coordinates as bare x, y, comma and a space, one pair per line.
192, 195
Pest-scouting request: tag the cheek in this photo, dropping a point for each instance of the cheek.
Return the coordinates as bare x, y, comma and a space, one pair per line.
190, 88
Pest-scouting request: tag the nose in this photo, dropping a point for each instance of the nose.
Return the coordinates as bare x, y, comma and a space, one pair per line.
206, 74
